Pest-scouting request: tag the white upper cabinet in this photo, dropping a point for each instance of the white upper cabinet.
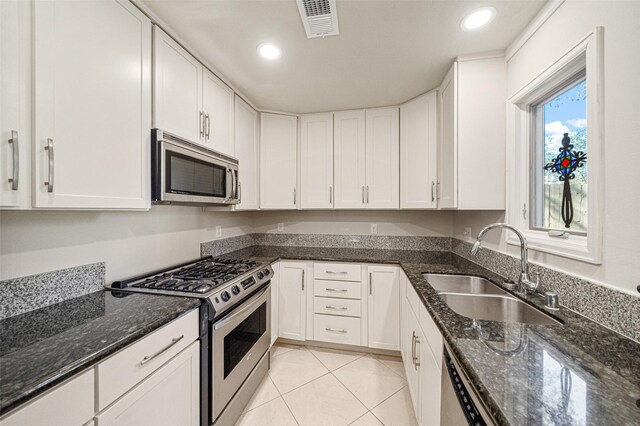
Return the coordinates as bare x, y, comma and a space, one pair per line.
92, 105
472, 146
218, 106
418, 152
15, 112
316, 161
247, 134
177, 89
350, 159
278, 161
383, 168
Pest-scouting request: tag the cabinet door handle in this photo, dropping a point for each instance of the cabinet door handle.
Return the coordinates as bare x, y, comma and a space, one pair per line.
333, 330
201, 124
303, 280
49, 149
239, 192
438, 190
331, 195
295, 198
370, 279
432, 195
416, 358
336, 308
367, 194
207, 128
413, 348
363, 194
15, 146
334, 290
148, 358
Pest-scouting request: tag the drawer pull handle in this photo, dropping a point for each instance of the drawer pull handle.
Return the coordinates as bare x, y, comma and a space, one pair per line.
333, 330
148, 358
337, 272
334, 290
335, 308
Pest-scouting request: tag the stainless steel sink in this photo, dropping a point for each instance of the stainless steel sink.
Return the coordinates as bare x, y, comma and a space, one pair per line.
495, 307
466, 284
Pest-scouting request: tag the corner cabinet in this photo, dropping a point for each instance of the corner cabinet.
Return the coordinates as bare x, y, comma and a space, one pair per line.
92, 84
15, 105
472, 158
418, 152
247, 148
384, 307
189, 100
292, 300
316, 161
278, 161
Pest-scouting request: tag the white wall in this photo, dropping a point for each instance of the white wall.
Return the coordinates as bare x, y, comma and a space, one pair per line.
351, 222
564, 29
129, 242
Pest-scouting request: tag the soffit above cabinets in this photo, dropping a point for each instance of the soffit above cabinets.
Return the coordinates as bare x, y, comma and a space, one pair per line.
386, 52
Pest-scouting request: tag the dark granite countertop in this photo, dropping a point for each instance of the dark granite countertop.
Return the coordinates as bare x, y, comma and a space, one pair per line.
42, 348
576, 372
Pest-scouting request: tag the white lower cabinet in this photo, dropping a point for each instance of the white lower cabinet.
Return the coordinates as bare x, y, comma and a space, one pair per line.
275, 288
292, 308
75, 395
170, 396
384, 307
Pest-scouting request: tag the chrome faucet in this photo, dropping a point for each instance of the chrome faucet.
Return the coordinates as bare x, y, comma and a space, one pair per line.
525, 283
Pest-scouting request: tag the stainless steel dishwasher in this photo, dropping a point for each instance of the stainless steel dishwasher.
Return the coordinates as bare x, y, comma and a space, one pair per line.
459, 403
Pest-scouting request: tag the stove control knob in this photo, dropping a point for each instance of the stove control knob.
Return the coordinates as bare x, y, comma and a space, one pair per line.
225, 296
235, 289
260, 275
266, 272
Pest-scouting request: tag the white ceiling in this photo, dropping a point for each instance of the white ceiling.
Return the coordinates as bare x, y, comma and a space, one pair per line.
388, 51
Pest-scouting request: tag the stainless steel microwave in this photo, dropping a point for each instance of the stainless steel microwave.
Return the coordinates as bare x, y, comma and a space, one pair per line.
186, 173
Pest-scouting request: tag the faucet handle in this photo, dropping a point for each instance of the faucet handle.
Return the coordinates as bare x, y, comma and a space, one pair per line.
551, 301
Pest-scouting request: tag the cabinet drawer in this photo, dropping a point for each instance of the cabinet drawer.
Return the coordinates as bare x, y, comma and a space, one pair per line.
125, 369
334, 306
413, 299
340, 289
431, 334
336, 271
329, 328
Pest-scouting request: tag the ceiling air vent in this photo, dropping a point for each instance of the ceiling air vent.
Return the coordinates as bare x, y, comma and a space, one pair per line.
319, 17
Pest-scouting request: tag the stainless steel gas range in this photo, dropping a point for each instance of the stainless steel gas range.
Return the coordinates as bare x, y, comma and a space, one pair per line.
235, 326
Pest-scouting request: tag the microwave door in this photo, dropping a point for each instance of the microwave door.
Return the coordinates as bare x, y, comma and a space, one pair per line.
190, 177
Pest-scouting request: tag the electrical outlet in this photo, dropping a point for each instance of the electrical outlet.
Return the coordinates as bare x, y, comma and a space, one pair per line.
280, 227
218, 231
467, 232
374, 228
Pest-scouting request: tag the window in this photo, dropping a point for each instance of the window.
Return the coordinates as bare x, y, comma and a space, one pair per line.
555, 154
559, 153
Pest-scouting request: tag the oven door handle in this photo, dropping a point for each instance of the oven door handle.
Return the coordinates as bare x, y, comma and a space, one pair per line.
250, 304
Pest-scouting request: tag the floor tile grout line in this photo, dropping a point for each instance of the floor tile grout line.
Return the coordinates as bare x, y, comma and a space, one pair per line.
330, 370
289, 408
386, 399
267, 376
349, 390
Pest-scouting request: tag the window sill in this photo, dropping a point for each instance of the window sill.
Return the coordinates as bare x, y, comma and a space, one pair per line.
575, 247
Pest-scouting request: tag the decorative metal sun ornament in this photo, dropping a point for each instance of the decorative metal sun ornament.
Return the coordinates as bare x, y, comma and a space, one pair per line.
565, 165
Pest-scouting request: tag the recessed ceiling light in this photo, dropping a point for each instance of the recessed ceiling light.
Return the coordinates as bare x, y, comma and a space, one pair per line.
269, 51
478, 18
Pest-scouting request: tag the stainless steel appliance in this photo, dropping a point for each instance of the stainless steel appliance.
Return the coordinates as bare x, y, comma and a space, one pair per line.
183, 172
235, 326
459, 403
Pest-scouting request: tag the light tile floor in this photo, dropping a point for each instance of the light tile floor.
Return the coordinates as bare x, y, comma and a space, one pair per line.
310, 386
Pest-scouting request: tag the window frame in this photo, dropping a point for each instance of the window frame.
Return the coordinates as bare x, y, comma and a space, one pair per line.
587, 55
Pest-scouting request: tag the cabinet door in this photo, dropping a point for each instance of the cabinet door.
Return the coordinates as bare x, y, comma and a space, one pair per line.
418, 147
278, 161
177, 84
15, 114
93, 105
448, 144
170, 396
383, 159
384, 307
316, 161
246, 135
412, 369
404, 328
430, 382
275, 295
350, 159
218, 106
292, 301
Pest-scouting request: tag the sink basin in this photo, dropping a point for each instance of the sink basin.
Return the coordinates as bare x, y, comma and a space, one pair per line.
462, 284
494, 307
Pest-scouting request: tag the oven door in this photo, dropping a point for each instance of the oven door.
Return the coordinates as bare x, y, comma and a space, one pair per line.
240, 338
